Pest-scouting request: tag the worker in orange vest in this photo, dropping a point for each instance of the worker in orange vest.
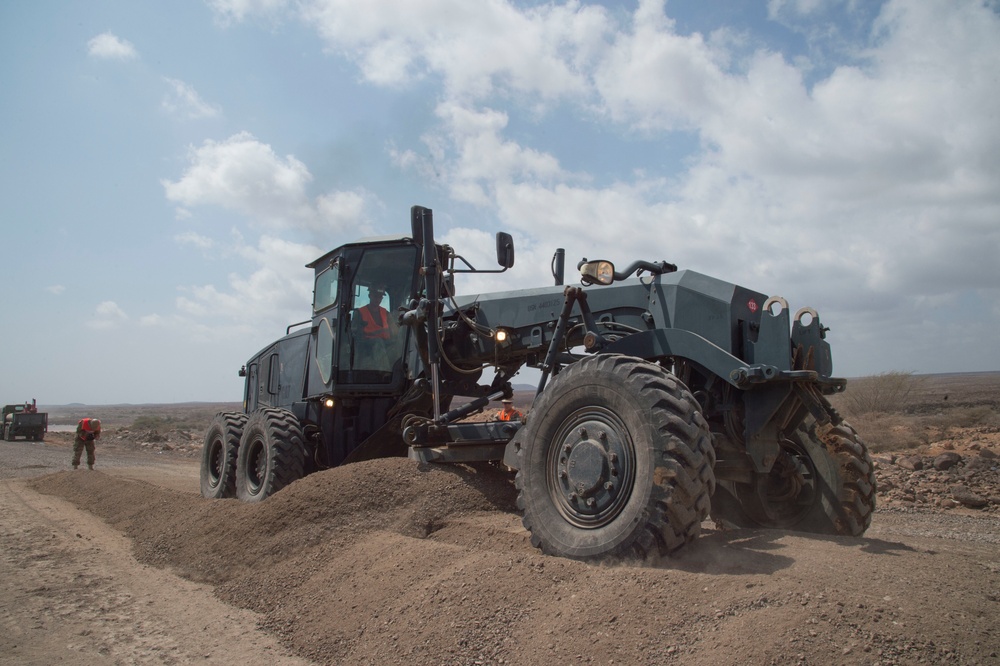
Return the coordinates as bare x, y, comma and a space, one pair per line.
374, 316
87, 430
376, 333
508, 413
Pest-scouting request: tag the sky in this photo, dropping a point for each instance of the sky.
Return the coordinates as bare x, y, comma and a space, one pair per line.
167, 168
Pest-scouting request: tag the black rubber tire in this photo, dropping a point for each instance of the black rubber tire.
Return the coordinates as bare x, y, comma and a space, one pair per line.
836, 493
272, 454
660, 475
218, 455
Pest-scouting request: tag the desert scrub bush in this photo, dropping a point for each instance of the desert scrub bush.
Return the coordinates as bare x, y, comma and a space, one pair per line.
148, 422
156, 423
890, 432
963, 417
885, 393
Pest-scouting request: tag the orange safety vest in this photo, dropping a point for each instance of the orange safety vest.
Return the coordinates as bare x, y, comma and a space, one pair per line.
87, 430
373, 330
507, 415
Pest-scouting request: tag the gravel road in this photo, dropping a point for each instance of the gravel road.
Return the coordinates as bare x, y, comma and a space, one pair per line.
385, 562
73, 593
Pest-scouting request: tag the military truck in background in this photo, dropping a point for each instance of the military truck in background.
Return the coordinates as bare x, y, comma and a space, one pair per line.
26, 421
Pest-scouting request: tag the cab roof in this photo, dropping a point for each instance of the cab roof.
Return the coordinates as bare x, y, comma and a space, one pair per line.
367, 240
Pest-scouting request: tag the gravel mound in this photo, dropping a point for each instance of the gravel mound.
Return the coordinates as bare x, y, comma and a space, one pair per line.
391, 562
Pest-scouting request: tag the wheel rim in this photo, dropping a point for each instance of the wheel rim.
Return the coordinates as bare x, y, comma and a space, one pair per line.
786, 494
215, 462
590, 468
256, 465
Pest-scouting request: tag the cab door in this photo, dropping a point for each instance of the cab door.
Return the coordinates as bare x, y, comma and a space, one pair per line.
371, 352
323, 337
251, 394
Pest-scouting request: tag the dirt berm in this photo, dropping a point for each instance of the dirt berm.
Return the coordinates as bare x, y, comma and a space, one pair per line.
388, 562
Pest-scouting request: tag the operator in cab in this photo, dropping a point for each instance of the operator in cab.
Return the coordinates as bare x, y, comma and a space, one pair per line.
374, 317
375, 331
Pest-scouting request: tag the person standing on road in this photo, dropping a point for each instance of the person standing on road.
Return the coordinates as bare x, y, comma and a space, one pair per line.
509, 413
87, 430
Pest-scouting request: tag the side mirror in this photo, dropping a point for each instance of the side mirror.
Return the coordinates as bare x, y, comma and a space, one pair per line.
505, 249
597, 272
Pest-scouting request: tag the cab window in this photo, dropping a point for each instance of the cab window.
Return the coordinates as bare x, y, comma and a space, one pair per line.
375, 342
325, 293
325, 340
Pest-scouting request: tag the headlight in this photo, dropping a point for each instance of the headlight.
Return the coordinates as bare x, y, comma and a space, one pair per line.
597, 272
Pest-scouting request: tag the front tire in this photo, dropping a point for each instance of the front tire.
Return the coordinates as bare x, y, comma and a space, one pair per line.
616, 462
272, 454
218, 455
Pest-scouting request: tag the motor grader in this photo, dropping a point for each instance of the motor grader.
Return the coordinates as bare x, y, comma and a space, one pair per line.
664, 397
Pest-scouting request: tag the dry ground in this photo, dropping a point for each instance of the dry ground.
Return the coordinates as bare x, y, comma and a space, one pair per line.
388, 562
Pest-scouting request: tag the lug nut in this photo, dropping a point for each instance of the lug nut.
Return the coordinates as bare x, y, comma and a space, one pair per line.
583, 433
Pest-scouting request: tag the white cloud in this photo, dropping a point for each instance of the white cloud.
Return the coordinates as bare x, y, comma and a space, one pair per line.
867, 184
276, 291
183, 99
897, 158
253, 305
244, 175
55, 289
107, 315
237, 10
345, 211
653, 78
797, 7
108, 45
474, 160
788, 169
195, 239
110, 310
476, 47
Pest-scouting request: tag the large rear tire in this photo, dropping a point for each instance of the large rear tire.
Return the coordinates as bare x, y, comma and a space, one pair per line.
616, 462
272, 454
823, 482
218, 455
